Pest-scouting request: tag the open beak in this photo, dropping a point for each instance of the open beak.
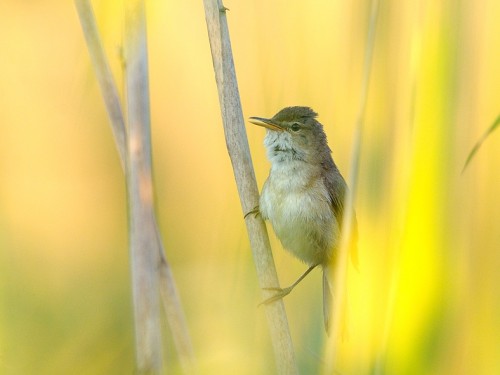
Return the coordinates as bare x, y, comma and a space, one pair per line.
265, 122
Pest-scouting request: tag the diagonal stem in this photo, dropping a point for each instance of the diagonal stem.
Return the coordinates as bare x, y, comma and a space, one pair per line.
239, 153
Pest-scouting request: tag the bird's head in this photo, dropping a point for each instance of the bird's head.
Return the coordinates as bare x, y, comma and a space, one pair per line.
294, 134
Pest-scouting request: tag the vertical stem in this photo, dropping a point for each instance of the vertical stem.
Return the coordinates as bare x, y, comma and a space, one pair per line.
143, 241
239, 153
168, 289
340, 269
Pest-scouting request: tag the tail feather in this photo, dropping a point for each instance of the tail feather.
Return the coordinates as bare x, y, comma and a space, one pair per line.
327, 301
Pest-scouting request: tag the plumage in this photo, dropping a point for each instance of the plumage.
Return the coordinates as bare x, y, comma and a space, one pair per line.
303, 197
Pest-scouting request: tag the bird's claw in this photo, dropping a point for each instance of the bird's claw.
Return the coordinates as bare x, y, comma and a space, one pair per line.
280, 293
255, 211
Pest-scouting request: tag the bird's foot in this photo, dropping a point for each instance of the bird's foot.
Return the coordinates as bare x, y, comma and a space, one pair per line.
280, 293
255, 211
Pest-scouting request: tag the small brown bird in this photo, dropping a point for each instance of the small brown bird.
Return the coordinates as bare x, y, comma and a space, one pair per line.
303, 197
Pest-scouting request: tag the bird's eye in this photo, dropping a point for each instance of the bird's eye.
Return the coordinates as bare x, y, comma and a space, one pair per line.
295, 127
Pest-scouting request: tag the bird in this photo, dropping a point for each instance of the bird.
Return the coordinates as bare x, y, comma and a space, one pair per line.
303, 196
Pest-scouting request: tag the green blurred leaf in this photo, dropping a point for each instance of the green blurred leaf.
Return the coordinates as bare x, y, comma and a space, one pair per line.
480, 142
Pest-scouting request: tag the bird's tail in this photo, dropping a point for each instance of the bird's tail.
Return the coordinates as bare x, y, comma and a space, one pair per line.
327, 299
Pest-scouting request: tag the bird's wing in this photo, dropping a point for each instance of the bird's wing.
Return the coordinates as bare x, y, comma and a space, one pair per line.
337, 189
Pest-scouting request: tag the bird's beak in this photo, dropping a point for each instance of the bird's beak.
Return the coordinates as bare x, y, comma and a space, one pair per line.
265, 122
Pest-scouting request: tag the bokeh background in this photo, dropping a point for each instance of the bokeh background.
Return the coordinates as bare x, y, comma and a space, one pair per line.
425, 299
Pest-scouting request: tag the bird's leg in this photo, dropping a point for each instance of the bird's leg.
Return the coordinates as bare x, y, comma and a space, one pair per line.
280, 293
255, 211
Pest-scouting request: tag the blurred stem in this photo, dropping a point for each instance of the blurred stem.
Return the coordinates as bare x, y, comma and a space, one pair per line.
239, 153
401, 183
479, 143
104, 77
173, 310
143, 241
340, 269
168, 289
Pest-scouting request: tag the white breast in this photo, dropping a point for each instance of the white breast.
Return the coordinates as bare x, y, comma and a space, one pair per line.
297, 204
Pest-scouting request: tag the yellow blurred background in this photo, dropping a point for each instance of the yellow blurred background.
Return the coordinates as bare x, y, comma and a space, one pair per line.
425, 299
